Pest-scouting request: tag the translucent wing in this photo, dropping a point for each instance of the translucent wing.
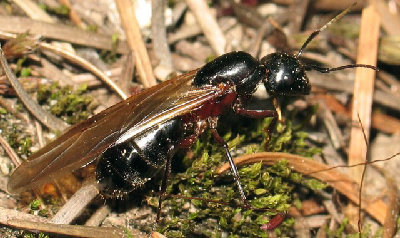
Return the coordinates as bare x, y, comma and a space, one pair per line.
83, 143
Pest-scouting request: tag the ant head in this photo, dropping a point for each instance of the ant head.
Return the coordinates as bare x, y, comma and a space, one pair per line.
285, 75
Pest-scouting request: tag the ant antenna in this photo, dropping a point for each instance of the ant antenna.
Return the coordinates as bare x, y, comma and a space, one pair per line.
327, 70
316, 32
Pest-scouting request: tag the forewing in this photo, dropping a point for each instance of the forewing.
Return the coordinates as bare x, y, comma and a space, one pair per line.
84, 142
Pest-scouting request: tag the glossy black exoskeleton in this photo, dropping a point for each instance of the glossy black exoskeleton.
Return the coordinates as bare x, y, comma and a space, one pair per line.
131, 164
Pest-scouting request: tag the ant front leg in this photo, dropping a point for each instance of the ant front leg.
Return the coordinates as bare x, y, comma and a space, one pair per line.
213, 125
275, 114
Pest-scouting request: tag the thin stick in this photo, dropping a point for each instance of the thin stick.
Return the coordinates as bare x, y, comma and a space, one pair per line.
10, 152
135, 42
362, 96
208, 24
62, 32
98, 217
75, 18
159, 33
10, 214
43, 116
86, 65
390, 21
34, 11
75, 204
364, 87
76, 60
69, 230
389, 226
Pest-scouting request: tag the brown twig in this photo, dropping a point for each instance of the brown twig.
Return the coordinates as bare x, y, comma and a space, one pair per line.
98, 217
75, 204
208, 24
57, 31
331, 125
10, 152
34, 11
135, 42
390, 22
11, 109
43, 116
69, 230
73, 15
159, 36
343, 183
389, 226
77, 60
11, 214
380, 121
297, 12
328, 5
84, 64
331, 83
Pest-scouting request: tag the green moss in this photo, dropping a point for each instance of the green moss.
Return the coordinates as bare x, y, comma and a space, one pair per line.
25, 72
40, 235
110, 56
13, 131
71, 106
269, 189
61, 10
341, 231
35, 204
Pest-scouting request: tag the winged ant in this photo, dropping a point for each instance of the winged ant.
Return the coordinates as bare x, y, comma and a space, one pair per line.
137, 138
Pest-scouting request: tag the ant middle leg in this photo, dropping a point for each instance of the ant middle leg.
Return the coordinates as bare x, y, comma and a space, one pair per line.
213, 124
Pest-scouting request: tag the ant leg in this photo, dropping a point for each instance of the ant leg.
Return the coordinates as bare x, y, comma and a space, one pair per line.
221, 141
275, 114
255, 113
164, 183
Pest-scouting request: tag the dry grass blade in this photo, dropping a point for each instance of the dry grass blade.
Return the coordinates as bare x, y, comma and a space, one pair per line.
160, 44
75, 18
77, 60
86, 65
12, 109
34, 11
364, 88
362, 98
69, 230
208, 24
390, 21
135, 42
342, 183
389, 226
43, 116
57, 31
11, 214
328, 5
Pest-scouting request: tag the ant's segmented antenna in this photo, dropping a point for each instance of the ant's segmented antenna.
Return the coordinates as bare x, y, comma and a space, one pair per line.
316, 32
327, 70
